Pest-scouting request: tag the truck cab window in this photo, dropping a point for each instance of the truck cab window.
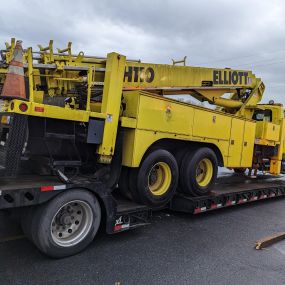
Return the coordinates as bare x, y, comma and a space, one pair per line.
263, 115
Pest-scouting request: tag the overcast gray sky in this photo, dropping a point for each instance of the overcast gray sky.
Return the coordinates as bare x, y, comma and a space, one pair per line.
245, 34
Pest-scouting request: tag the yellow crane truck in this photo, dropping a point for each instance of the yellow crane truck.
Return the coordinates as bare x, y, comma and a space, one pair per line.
84, 137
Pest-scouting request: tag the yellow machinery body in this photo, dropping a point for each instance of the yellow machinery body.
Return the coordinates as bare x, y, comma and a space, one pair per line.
133, 97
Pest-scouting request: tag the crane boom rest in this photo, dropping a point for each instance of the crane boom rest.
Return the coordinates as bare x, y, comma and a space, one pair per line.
112, 119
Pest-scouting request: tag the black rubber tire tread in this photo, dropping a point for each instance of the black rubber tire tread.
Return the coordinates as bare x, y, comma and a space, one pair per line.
188, 181
133, 176
179, 156
124, 183
41, 220
26, 221
139, 179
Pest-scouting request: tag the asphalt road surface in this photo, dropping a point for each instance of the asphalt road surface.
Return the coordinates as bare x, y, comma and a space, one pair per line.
211, 248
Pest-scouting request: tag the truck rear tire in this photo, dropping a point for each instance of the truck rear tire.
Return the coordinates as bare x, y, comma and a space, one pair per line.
179, 156
198, 172
66, 224
156, 180
124, 183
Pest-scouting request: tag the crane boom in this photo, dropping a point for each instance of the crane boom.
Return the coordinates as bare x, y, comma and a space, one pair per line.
237, 91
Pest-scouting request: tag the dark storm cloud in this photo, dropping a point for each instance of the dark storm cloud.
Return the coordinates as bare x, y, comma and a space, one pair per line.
239, 34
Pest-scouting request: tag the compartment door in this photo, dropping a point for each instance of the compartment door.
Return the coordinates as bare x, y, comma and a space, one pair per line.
236, 143
248, 144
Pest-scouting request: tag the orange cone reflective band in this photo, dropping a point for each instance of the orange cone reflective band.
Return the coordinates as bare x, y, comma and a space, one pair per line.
14, 84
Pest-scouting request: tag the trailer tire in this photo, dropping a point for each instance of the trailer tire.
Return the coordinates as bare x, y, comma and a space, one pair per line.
133, 178
155, 181
66, 224
198, 172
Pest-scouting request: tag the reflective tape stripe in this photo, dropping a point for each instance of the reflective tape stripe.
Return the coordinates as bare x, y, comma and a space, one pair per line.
121, 227
17, 63
46, 188
197, 211
52, 188
59, 187
15, 70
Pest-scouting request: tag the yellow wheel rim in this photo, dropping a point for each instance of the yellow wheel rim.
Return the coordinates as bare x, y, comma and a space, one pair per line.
204, 172
159, 178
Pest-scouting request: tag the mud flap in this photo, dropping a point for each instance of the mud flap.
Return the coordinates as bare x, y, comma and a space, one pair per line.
13, 135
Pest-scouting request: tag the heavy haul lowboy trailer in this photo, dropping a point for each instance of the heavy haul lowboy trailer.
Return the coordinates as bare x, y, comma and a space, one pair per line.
119, 213
230, 191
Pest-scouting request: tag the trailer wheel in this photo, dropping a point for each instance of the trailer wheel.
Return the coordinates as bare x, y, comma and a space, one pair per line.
66, 224
156, 179
199, 171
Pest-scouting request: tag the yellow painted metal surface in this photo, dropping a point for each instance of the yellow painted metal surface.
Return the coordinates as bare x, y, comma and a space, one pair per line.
275, 162
124, 85
55, 112
248, 144
204, 172
236, 142
148, 75
128, 122
129, 147
207, 124
137, 142
267, 131
131, 101
162, 179
162, 118
111, 101
164, 115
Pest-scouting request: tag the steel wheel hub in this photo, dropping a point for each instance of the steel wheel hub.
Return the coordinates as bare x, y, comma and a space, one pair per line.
71, 223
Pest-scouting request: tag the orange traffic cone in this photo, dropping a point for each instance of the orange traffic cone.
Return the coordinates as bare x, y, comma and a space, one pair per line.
14, 84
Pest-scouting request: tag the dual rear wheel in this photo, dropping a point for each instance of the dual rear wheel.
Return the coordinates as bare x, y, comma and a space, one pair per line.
192, 171
154, 182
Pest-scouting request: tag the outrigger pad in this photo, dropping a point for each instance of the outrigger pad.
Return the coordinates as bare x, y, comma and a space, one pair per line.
13, 136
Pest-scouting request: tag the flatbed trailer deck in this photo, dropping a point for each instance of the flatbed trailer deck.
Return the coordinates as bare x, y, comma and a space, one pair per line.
32, 190
122, 214
231, 191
